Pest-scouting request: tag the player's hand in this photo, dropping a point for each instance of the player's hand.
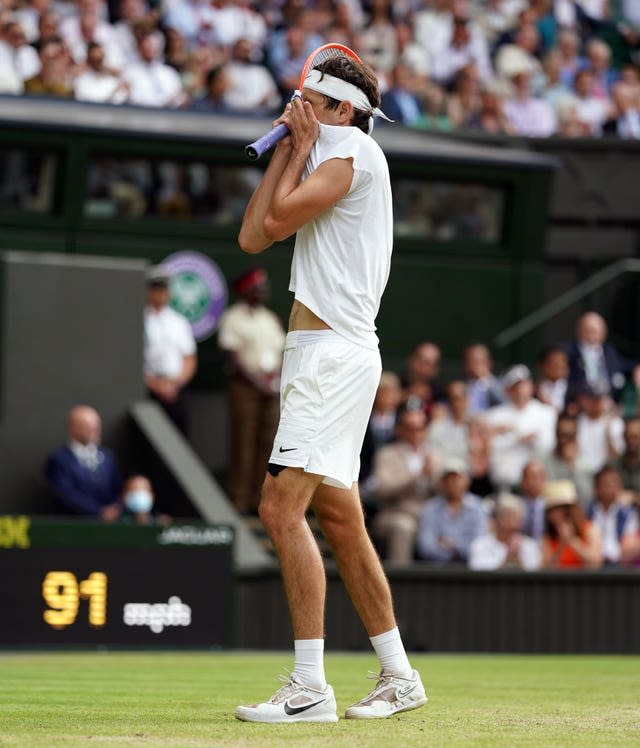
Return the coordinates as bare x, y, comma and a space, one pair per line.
303, 124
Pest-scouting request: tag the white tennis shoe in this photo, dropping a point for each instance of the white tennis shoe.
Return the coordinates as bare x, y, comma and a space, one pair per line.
391, 695
294, 702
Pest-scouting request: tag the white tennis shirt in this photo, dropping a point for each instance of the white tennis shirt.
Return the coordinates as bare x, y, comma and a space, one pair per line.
342, 257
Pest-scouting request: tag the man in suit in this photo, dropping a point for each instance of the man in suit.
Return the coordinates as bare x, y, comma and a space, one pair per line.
83, 477
595, 363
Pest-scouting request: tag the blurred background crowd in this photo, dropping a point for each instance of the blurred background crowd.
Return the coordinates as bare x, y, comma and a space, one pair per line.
519, 67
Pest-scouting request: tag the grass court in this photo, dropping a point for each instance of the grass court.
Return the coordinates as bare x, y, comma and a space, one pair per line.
188, 699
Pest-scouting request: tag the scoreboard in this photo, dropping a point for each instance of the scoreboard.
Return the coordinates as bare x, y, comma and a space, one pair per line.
79, 582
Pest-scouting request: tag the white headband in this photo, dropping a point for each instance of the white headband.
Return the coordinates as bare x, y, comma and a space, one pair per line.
336, 88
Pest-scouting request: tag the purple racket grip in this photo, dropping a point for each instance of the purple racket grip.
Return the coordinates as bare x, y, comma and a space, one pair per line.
267, 141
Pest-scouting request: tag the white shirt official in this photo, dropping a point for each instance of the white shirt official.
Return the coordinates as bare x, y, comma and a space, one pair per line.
168, 339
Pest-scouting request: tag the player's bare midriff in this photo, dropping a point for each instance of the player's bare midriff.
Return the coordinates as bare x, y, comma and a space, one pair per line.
302, 318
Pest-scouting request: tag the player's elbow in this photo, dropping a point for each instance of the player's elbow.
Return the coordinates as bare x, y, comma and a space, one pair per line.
274, 228
251, 243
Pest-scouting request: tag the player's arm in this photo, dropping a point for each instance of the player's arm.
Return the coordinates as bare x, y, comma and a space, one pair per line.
294, 202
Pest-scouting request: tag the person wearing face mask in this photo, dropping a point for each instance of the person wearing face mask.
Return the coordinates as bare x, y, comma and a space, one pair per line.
138, 500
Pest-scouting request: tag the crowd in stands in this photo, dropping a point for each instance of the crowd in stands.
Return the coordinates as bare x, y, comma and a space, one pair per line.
519, 67
524, 470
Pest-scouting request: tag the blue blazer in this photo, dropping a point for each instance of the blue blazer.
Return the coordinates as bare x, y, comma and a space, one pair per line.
78, 490
618, 369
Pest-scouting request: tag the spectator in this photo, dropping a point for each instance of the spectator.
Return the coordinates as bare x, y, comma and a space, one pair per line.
18, 60
491, 117
381, 428
505, 546
400, 103
132, 15
83, 477
29, 15
625, 122
402, 478
170, 358
253, 339
378, 43
532, 484
599, 63
526, 114
175, 46
461, 46
449, 435
519, 57
628, 463
432, 24
479, 440
97, 83
553, 367
599, 429
217, 86
151, 82
252, 88
549, 85
420, 381
53, 78
570, 541
451, 521
591, 110
86, 28
522, 428
194, 20
48, 28
296, 52
138, 500
483, 387
566, 462
595, 362
569, 123
465, 101
617, 523
571, 62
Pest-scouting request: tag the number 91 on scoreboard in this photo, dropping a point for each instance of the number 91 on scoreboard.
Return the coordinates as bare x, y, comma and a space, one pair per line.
158, 594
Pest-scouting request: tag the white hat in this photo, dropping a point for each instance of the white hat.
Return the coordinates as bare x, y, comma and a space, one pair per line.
515, 374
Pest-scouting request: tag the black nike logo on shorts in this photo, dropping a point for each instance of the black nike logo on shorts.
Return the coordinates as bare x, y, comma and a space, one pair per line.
297, 709
289, 449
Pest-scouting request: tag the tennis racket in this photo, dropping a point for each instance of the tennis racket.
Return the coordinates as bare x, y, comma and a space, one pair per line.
269, 139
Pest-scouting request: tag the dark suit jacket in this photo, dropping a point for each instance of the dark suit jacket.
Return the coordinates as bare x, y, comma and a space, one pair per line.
618, 369
78, 490
391, 106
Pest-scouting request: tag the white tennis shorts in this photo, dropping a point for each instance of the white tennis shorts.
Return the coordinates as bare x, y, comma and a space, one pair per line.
326, 395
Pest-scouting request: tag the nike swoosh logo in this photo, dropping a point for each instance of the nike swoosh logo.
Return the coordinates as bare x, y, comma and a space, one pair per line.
407, 690
289, 449
297, 709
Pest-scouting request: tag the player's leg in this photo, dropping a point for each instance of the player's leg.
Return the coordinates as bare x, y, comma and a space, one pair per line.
306, 697
399, 687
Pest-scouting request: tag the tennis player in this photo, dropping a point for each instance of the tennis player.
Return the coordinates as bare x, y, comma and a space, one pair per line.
329, 182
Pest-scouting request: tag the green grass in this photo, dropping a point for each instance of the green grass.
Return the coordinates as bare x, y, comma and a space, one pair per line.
168, 699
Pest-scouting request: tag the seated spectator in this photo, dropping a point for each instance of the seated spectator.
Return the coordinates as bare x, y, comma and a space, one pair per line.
138, 500
194, 20
534, 480
296, 53
400, 103
569, 123
174, 45
29, 15
252, 89
377, 41
54, 75
83, 477
526, 114
465, 101
512, 59
594, 361
151, 82
479, 441
483, 387
566, 462
402, 474
48, 28
463, 45
625, 122
381, 428
549, 84
217, 86
571, 62
449, 434
617, 522
491, 117
131, 14
432, 22
78, 31
505, 546
593, 111
97, 83
628, 463
553, 369
18, 59
522, 428
599, 429
598, 56
570, 541
420, 379
451, 521
194, 74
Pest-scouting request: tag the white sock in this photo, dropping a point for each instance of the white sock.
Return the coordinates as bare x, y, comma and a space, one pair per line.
309, 664
390, 651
